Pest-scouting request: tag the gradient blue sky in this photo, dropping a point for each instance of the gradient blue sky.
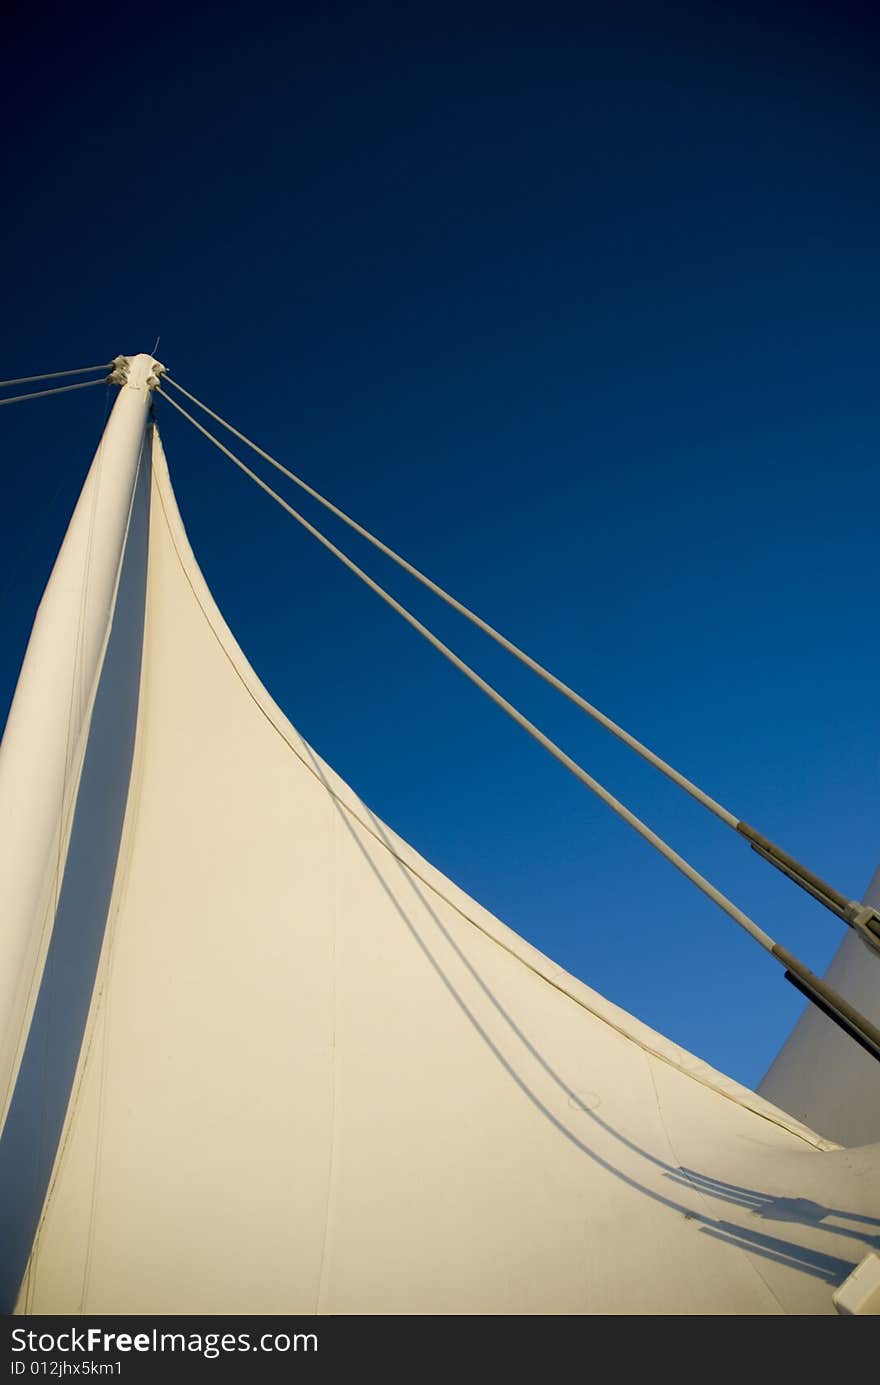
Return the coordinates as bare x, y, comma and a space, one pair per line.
577, 309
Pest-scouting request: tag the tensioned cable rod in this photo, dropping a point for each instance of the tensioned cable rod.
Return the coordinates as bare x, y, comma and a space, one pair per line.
557, 683
745, 922
861, 1029
54, 375
60, 389
838, 1009
865, 920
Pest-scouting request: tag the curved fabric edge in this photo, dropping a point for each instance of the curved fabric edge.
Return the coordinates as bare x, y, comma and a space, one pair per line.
56, 1034
577, 991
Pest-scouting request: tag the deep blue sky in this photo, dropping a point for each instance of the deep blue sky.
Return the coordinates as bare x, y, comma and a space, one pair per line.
577, 309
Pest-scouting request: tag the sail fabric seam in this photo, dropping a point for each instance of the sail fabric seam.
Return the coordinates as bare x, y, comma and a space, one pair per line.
705, 1201
809, 1137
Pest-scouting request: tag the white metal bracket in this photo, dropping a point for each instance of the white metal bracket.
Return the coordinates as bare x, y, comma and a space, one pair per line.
118, 371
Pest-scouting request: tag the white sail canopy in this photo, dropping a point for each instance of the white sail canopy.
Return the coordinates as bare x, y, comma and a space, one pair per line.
273, 1062
819, 1074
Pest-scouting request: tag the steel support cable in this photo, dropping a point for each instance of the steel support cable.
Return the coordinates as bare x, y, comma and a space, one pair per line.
863, 919
60, 389
838, 1009
472, 616
54, 375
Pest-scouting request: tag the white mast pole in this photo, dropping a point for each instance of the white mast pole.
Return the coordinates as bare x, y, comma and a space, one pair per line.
42, 747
